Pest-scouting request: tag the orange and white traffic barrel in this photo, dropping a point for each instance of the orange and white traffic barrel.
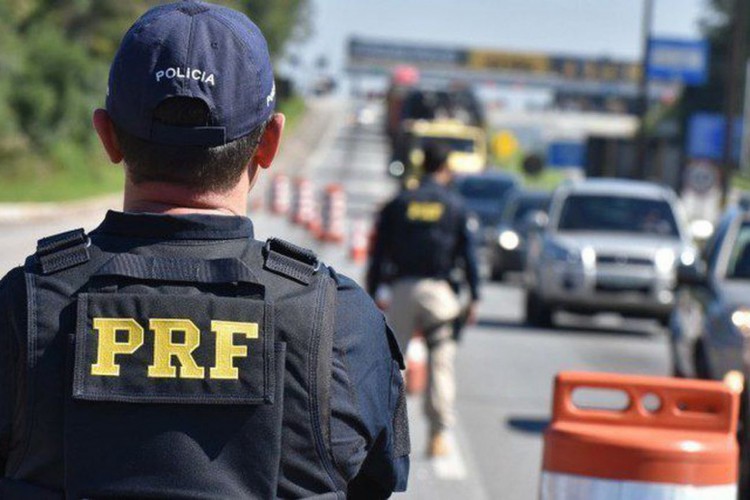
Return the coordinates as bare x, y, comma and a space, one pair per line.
315, 221
333, 214
416, 365
280, 195
359, 242
670, 439
303, 202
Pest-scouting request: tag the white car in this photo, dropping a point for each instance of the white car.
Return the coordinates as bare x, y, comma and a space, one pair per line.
609, 245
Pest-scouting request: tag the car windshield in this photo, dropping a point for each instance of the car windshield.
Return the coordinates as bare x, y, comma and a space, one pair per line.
484, 188
618, 214
523, 206
739, 261
452, 143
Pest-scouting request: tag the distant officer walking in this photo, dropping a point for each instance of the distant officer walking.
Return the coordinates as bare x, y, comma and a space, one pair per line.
423, 235
169, 354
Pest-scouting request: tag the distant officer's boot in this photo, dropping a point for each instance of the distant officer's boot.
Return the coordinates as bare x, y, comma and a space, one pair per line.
438, 446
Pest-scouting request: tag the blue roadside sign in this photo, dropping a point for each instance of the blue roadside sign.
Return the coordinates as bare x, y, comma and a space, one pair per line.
566, 154
705, 139
678, 61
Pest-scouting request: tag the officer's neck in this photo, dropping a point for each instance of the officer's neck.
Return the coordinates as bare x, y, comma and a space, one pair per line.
442, 177
165, 198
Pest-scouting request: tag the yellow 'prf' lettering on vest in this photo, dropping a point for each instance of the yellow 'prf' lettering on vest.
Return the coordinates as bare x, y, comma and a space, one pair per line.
425, 211
227, 350
166, 349
109, 347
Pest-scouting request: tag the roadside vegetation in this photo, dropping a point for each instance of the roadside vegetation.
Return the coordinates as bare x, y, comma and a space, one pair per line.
54, 61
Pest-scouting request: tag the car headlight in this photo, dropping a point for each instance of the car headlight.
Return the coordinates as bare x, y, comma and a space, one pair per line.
509, 240
664, 260
741, 321
688, 257
588, 256
701, 229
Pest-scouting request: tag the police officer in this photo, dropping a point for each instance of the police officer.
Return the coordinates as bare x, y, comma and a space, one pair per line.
169, 354
423, 235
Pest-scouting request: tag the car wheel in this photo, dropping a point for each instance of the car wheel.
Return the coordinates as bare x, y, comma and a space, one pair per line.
664, 321
538, 312
701, 362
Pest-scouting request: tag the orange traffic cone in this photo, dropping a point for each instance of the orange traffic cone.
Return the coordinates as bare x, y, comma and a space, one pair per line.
416, 365
359, 242
670, 439
280, 194
333, 214
303, 202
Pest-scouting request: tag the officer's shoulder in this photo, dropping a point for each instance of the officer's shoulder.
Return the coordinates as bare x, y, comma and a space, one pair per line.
360, 326
302, 265
354, 297
12, 283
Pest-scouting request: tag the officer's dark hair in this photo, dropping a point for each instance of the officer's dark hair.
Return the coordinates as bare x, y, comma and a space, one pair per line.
198, 168
435, 157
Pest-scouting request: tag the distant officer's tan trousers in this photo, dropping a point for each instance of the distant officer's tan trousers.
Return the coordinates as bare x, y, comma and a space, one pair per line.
430, 306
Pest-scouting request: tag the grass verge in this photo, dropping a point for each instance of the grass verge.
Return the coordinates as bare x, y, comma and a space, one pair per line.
741, 182
85, 176
94, 177
294, 109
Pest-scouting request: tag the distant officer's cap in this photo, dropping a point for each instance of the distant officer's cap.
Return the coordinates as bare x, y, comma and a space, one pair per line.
199, 50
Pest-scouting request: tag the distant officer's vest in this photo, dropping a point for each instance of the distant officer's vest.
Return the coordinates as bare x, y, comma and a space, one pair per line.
179, 374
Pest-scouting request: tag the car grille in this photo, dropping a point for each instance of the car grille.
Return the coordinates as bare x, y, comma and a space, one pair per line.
622, 287
623, 260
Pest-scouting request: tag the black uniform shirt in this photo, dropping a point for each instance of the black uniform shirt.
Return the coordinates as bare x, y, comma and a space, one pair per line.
362, 386
424, 233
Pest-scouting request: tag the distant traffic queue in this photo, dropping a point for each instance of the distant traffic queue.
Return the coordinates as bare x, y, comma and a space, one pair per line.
418, 114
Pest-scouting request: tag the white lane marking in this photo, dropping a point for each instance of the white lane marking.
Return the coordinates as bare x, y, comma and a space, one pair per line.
452, 466
325, 144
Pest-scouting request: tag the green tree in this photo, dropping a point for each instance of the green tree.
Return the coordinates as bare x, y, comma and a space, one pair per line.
717, 27
54, 59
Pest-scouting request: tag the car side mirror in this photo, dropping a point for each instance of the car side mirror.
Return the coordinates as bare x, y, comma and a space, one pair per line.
693, 274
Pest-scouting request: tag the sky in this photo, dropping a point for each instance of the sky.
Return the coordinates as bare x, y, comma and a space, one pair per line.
600, 28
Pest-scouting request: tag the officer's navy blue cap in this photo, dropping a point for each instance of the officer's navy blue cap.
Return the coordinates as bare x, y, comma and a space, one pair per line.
192, 49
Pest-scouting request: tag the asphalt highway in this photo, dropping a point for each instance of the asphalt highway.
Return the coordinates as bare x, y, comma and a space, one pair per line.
505, 369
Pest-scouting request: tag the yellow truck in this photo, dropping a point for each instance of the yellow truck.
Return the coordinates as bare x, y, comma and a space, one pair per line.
468, 145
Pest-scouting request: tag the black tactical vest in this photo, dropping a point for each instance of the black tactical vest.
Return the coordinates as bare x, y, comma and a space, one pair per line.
172, 376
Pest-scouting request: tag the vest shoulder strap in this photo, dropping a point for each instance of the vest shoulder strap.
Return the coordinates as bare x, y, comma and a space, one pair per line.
302, 266
62, 251
287, 259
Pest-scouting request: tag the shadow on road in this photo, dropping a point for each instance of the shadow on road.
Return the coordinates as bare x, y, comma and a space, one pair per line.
561, 329
528, 425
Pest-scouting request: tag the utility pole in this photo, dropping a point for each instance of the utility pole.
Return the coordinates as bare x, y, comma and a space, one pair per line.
738, 41
640, 171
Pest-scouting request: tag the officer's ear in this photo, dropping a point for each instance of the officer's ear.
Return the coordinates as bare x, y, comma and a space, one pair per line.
106, 131
269, 143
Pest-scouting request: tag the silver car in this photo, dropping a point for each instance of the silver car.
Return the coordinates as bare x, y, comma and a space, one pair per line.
609, 245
